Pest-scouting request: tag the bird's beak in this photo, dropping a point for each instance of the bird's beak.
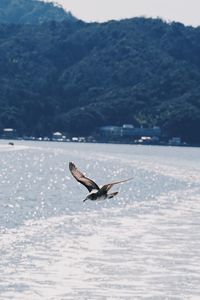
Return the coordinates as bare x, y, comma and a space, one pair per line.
84, 199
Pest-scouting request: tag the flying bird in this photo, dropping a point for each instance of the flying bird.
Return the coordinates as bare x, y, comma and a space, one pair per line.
95, 192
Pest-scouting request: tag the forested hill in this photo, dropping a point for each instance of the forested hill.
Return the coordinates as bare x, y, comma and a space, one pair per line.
74, 77
31, 12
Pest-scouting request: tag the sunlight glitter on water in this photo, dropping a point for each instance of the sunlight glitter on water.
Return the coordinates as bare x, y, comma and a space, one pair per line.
143, 244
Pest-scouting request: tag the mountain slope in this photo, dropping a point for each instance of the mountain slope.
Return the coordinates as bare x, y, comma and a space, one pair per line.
31, 12
74, 77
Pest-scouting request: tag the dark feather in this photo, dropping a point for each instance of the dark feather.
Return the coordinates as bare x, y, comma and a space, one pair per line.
80, 177
105, 188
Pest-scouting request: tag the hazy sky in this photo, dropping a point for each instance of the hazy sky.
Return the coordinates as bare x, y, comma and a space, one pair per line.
184, 11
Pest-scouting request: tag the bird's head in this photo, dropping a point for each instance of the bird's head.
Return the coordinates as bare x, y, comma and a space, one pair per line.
91, 196
87, 198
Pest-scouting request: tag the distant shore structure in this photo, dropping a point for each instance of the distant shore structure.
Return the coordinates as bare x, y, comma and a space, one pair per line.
9, 133
128, 131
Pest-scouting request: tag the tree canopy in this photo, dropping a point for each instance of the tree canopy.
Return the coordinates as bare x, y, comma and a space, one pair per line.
31, 12
74, 76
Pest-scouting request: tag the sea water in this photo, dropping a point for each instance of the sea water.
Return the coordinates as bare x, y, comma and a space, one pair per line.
142, 244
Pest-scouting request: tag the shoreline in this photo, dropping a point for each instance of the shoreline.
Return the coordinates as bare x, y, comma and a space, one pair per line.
10, 143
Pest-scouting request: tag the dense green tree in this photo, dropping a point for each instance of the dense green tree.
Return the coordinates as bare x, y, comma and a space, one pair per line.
31, 12
74, 77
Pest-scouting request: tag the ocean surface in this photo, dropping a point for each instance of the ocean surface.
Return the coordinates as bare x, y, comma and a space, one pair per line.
142, 244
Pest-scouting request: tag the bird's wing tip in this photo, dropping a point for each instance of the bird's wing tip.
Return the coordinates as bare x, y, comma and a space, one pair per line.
130, 178
71, 165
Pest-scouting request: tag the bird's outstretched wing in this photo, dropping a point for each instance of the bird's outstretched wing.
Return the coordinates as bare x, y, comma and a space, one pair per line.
107, 187
80, 177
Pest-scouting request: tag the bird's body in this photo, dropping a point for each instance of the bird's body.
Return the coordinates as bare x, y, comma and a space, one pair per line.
98, 195
94, 196
95, 192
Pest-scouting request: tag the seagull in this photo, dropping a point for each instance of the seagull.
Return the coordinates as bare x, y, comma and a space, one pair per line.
95, 192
